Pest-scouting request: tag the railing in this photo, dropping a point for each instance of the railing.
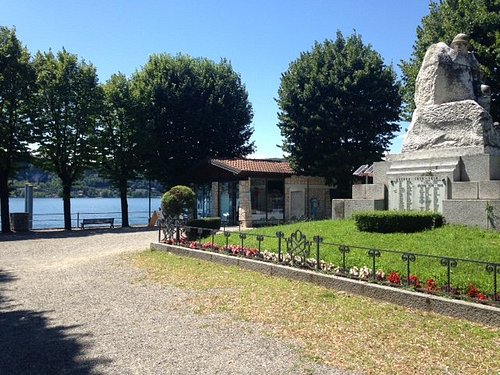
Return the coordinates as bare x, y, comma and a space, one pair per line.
351, 261
56, 220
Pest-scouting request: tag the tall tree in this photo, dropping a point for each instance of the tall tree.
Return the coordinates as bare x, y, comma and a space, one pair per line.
117, 138
68, 106
16, 84
191, 109
480, 19
338, 106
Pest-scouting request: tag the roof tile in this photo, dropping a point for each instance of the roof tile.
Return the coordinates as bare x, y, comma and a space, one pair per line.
254, 166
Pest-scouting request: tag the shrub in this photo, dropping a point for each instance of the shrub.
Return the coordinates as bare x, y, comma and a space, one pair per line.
177, 200
208, 222
397, 221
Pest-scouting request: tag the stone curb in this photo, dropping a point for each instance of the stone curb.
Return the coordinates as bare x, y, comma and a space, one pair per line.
484, 314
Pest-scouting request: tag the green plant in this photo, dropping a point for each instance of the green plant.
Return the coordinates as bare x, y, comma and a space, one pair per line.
177, 200
397, 221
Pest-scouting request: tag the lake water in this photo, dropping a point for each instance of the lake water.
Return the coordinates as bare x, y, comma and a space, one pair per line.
48, 212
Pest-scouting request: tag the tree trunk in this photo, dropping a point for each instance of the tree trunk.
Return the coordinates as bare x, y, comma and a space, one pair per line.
4, 202
67, 204
124, 203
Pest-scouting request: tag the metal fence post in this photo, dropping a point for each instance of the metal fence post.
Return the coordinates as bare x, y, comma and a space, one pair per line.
280, 235
318, 240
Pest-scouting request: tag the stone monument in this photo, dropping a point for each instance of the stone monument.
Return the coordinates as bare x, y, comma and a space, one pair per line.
450, 160
451, 103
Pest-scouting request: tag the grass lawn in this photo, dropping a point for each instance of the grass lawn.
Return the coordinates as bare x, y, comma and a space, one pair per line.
450, 240
344, 331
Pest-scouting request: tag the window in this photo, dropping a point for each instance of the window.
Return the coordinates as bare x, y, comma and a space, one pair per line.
267, 199
204, 200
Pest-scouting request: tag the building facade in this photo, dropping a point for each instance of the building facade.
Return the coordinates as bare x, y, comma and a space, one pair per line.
253, 192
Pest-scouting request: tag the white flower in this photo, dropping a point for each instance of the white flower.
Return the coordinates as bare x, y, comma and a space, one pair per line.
364, 272
354, 271
380, 274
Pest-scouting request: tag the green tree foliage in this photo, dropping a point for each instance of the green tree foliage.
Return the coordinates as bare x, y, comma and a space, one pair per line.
118, 161
68, 106
178, 200
191, 109
338, 107
480, 19
16, 84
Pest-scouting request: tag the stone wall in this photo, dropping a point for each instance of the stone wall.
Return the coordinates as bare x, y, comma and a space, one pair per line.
462, 188
309, 187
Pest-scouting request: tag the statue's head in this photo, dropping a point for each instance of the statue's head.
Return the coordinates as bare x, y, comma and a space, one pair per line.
460, 43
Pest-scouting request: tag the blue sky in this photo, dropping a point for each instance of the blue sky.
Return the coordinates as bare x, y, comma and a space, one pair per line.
260, 38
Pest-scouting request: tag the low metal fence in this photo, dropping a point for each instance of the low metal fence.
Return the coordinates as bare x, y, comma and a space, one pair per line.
352, 261
56, 220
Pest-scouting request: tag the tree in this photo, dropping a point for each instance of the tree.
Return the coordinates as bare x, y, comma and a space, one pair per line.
118, 162
480, 19
16, 84
191, 109
68, 106
338, 106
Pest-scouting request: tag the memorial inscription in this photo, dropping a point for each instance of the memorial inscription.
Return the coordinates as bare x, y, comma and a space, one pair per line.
424, 193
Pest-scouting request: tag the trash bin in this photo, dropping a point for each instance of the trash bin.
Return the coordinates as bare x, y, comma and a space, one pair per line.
19, 221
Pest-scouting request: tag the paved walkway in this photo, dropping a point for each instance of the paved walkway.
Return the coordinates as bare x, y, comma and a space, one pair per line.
73, 304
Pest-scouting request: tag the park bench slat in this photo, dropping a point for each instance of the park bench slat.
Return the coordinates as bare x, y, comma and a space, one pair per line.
98, 221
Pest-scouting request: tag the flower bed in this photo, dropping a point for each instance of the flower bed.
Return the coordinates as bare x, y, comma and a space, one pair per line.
364, 273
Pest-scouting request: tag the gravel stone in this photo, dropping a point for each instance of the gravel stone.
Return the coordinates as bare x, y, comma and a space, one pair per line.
72, 303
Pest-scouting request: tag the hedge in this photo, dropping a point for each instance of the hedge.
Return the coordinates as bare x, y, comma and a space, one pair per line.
397, 221
208, 222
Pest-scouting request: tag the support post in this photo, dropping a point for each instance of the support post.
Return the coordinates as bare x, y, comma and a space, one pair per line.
28, 204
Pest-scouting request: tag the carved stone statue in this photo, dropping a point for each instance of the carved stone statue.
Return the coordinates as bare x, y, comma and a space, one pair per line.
452, 106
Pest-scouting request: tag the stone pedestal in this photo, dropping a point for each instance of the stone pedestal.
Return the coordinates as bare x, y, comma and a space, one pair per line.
473, 212
465, 189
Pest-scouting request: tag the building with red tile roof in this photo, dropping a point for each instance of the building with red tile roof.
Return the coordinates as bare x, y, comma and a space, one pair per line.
257, 191
252, 167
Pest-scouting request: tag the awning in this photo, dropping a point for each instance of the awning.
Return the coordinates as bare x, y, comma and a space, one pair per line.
366, 170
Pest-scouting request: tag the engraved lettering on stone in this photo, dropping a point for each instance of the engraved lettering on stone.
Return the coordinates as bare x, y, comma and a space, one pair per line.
418, 193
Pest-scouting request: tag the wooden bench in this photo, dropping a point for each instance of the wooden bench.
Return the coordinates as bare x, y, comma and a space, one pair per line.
99, 221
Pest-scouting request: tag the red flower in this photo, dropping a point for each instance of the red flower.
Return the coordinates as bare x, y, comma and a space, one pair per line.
472, 291
394, 278
482, 297
430, 286
250, 253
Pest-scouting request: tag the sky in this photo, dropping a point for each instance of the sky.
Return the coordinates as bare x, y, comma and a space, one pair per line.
259, 37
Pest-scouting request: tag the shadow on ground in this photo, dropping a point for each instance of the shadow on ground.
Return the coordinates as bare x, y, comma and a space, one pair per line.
29, 345
60, 233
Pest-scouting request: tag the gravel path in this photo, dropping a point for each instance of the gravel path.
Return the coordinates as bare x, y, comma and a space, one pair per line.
73, 304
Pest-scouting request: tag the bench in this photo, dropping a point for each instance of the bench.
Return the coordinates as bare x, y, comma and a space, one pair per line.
98, 221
